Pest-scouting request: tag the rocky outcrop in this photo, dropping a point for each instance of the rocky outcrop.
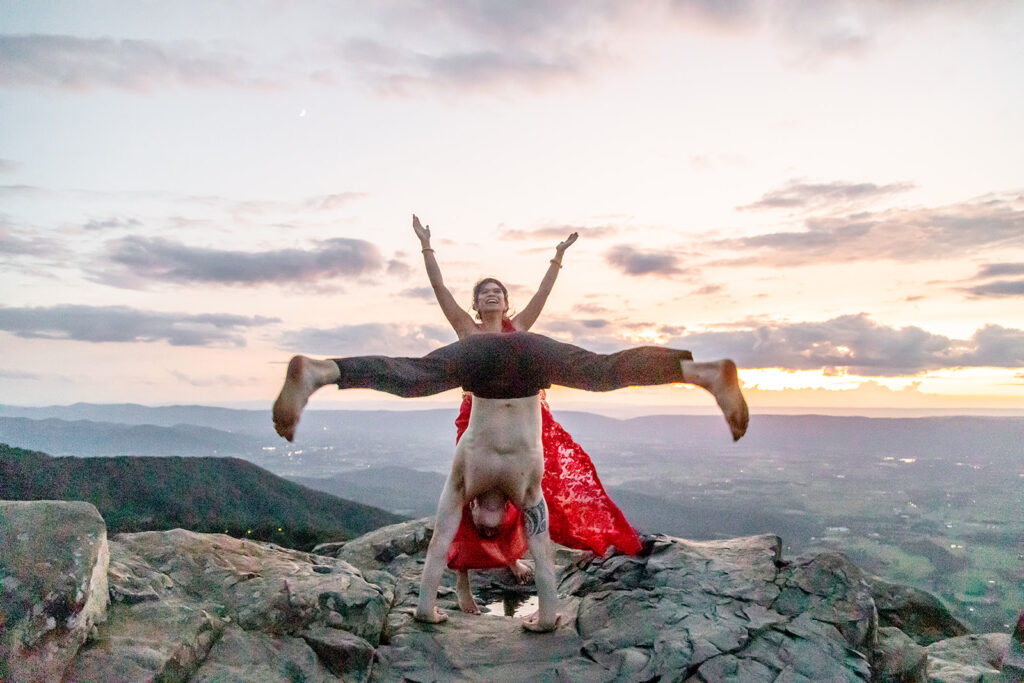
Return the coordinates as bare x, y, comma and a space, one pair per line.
207, 607
917, 613
898, 659
968, 658
212, 607
53, 585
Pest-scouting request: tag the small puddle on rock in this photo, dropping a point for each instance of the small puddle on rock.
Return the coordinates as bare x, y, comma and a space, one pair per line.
512, 606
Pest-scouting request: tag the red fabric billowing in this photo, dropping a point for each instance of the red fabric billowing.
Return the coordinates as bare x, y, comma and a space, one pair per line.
581, 515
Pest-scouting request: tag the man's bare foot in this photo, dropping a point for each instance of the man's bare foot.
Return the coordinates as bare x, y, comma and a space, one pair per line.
433, 617
726, 390
521, 571
304, 376
533, 623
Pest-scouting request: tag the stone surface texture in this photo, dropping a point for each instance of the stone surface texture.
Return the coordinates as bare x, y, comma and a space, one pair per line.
53, 584
206, 607
917, 613
975, 657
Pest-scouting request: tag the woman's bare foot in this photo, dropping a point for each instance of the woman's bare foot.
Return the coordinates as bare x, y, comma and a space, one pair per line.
435, 616
467, 603
533, 623
726, 390
465, 594
722, 380
304, 376
521, 571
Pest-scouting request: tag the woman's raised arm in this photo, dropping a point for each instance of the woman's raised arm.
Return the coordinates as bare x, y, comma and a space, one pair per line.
461, 321
525, 319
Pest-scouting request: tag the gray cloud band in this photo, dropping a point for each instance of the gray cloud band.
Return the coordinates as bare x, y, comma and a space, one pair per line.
859, 344
163, 260
73, 63
123, 324
642, 262
797, 195
907, 235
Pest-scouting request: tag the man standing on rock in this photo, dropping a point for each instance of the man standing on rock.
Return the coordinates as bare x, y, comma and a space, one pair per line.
500, 457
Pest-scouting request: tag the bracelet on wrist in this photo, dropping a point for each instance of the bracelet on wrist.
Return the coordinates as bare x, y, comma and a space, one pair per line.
427, 249
555, 263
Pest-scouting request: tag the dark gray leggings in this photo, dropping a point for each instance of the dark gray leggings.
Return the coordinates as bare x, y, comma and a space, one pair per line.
511, 365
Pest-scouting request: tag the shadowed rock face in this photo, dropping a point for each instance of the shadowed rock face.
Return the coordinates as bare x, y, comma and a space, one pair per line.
206, 607
917, 613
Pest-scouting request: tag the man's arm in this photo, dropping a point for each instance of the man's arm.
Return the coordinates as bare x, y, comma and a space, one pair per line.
525, 319
535, 520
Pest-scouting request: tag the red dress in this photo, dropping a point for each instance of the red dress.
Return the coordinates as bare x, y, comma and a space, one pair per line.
580, 513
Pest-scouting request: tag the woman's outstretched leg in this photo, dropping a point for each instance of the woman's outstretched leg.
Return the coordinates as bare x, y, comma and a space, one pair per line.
407, 377
577, 368
304, 376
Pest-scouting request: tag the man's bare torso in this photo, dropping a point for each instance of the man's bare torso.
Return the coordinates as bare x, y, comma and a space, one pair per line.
501, 449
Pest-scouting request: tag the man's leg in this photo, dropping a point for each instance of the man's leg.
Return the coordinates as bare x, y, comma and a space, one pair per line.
535, 519
446, 524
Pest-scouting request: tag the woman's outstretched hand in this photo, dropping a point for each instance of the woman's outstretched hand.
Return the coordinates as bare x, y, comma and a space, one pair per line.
423, 232
562, 246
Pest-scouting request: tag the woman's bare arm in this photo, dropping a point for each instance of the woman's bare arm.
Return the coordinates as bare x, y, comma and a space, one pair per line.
460, 321
525, 319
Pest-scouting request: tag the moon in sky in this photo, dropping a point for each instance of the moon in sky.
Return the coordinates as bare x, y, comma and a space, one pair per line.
302, 113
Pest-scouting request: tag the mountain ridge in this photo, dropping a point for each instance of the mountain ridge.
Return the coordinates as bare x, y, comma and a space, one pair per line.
227, 495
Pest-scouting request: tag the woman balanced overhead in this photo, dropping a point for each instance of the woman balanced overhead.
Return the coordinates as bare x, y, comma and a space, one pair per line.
581, 515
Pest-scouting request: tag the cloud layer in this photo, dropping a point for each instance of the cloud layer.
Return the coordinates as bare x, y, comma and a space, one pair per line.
560, 232
161, 260
123, 324
486, 45
632, 261
859, 345
73, 63
998, 288
910, 234
838, 194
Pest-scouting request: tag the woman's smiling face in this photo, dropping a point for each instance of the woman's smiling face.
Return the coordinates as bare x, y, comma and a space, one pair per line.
490, 295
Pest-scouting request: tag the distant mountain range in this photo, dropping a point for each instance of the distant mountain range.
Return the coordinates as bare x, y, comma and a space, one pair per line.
87, 438
426, 438
414, 493
219, 495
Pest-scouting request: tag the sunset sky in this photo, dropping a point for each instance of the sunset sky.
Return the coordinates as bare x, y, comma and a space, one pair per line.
831, 193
